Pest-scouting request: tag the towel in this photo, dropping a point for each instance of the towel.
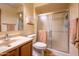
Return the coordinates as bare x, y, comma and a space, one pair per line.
10, 27
42, 36
74, 31
77, 34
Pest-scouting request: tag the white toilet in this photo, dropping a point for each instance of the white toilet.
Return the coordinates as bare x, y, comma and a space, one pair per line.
41, 44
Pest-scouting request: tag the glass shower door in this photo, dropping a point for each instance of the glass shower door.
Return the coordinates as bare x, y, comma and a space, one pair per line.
56, 26
60, 32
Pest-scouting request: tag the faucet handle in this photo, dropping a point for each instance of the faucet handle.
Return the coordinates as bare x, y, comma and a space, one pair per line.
6, 35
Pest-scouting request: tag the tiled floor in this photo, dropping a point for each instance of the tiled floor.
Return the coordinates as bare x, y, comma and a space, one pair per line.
49, 52
39, 53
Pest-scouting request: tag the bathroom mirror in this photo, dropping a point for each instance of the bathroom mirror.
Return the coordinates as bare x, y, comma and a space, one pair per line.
11, 20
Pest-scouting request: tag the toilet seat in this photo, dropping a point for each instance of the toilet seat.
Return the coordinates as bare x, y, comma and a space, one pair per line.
39, 45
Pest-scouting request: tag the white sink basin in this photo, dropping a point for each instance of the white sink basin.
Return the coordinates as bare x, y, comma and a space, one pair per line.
6, 43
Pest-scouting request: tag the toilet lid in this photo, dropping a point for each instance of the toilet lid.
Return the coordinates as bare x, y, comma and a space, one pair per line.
40, 45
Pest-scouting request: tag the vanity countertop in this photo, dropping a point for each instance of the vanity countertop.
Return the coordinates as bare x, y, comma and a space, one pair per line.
17, 41
32, 35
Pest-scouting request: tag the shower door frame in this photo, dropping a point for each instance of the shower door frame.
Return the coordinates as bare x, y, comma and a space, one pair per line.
51, 24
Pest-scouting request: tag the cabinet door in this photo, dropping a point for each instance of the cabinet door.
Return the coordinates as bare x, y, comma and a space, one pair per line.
26, 49
13, 53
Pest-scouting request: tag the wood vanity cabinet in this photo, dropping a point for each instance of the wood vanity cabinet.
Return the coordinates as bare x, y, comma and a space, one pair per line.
26, 49
22, 50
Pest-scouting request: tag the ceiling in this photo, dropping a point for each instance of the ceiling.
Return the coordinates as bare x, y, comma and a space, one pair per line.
52, 7
15, 5
42, 7
35, 4
39, 4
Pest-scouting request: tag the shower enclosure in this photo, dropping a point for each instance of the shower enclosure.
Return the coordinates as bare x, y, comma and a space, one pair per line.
57, 26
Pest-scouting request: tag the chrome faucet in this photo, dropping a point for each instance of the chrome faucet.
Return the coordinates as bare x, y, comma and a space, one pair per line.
6, 40
6, 37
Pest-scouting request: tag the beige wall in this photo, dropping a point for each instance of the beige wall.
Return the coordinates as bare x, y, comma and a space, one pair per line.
28, 12
74, 11
35, 20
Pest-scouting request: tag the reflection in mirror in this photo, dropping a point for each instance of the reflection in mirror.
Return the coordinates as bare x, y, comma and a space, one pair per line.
10, 18
20, 21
